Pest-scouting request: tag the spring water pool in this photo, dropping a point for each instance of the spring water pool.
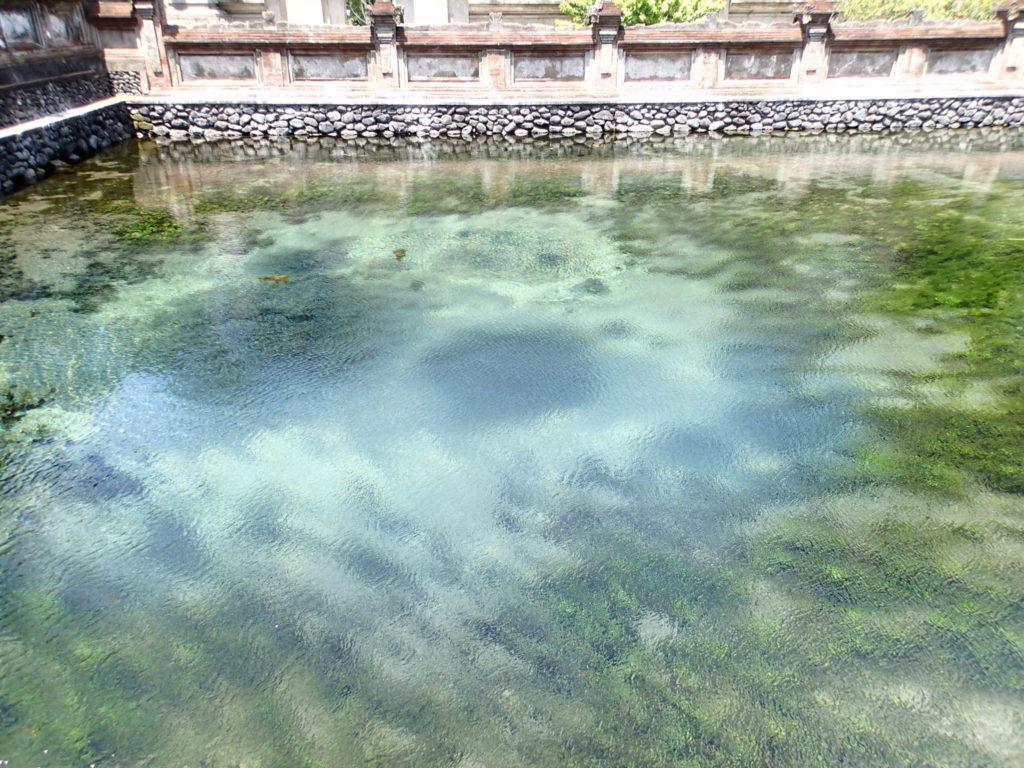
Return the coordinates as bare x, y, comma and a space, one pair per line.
708, 453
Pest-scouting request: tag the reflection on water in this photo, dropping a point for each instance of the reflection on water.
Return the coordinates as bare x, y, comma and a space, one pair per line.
705, 454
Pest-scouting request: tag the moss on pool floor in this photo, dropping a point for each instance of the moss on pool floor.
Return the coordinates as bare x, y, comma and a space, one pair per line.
871, 615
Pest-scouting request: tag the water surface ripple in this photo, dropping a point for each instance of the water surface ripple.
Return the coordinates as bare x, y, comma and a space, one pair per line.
700, 454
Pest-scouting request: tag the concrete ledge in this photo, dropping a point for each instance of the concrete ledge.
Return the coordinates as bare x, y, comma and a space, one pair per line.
359, 94
49, 120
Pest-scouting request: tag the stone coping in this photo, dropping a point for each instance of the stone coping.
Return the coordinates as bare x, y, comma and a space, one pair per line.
363, 95
48, 120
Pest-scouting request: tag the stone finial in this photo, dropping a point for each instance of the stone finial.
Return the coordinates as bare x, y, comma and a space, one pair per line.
815, 18
146, 9
1011, 14
606, 10
813, 11
384, 18
385, 9
1010, 10
606, 20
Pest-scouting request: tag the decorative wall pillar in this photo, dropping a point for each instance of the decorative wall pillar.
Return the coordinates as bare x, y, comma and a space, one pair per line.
1011, 13
815, 20
497, 69
706, 63
272, 67
385, 21
151, 42
911, 61
607, 23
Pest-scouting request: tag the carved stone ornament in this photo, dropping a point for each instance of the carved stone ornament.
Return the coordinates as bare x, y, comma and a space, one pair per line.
606, 20
1011, 13
145, 8
815, 18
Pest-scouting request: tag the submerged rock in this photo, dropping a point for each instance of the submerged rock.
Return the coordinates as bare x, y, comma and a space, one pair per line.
593, 286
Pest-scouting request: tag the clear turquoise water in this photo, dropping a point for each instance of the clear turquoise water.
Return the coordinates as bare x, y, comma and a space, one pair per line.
637, 457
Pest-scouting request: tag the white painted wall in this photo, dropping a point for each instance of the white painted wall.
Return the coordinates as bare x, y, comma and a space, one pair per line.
421, 12
305, 11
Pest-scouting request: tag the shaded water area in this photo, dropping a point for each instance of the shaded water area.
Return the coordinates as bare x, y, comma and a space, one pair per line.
707, 453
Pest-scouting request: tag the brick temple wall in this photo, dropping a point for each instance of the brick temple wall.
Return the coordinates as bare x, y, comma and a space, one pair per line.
387, 60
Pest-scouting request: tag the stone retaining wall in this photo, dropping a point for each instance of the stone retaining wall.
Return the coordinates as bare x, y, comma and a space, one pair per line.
19, 104
331, 150
212, 121
126, 82
28, 156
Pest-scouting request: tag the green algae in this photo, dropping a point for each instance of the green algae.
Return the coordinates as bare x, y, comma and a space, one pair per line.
908, 584
313, 195
425, 196
776, 652
432, 196
917, 587
90, 286
136, 226
543, 192
122, 243
725, 684
963, 266
14, 404
956, 262
150, 227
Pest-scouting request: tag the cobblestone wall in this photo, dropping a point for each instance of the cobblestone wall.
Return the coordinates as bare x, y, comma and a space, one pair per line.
28, 156
211, 122
19, 104
126, 82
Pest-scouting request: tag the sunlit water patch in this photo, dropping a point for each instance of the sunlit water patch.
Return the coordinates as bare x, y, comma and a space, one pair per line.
696, 457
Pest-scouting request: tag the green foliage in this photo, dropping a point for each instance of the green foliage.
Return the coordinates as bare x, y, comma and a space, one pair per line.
636, 12
647, 11
868, 10
356, 11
